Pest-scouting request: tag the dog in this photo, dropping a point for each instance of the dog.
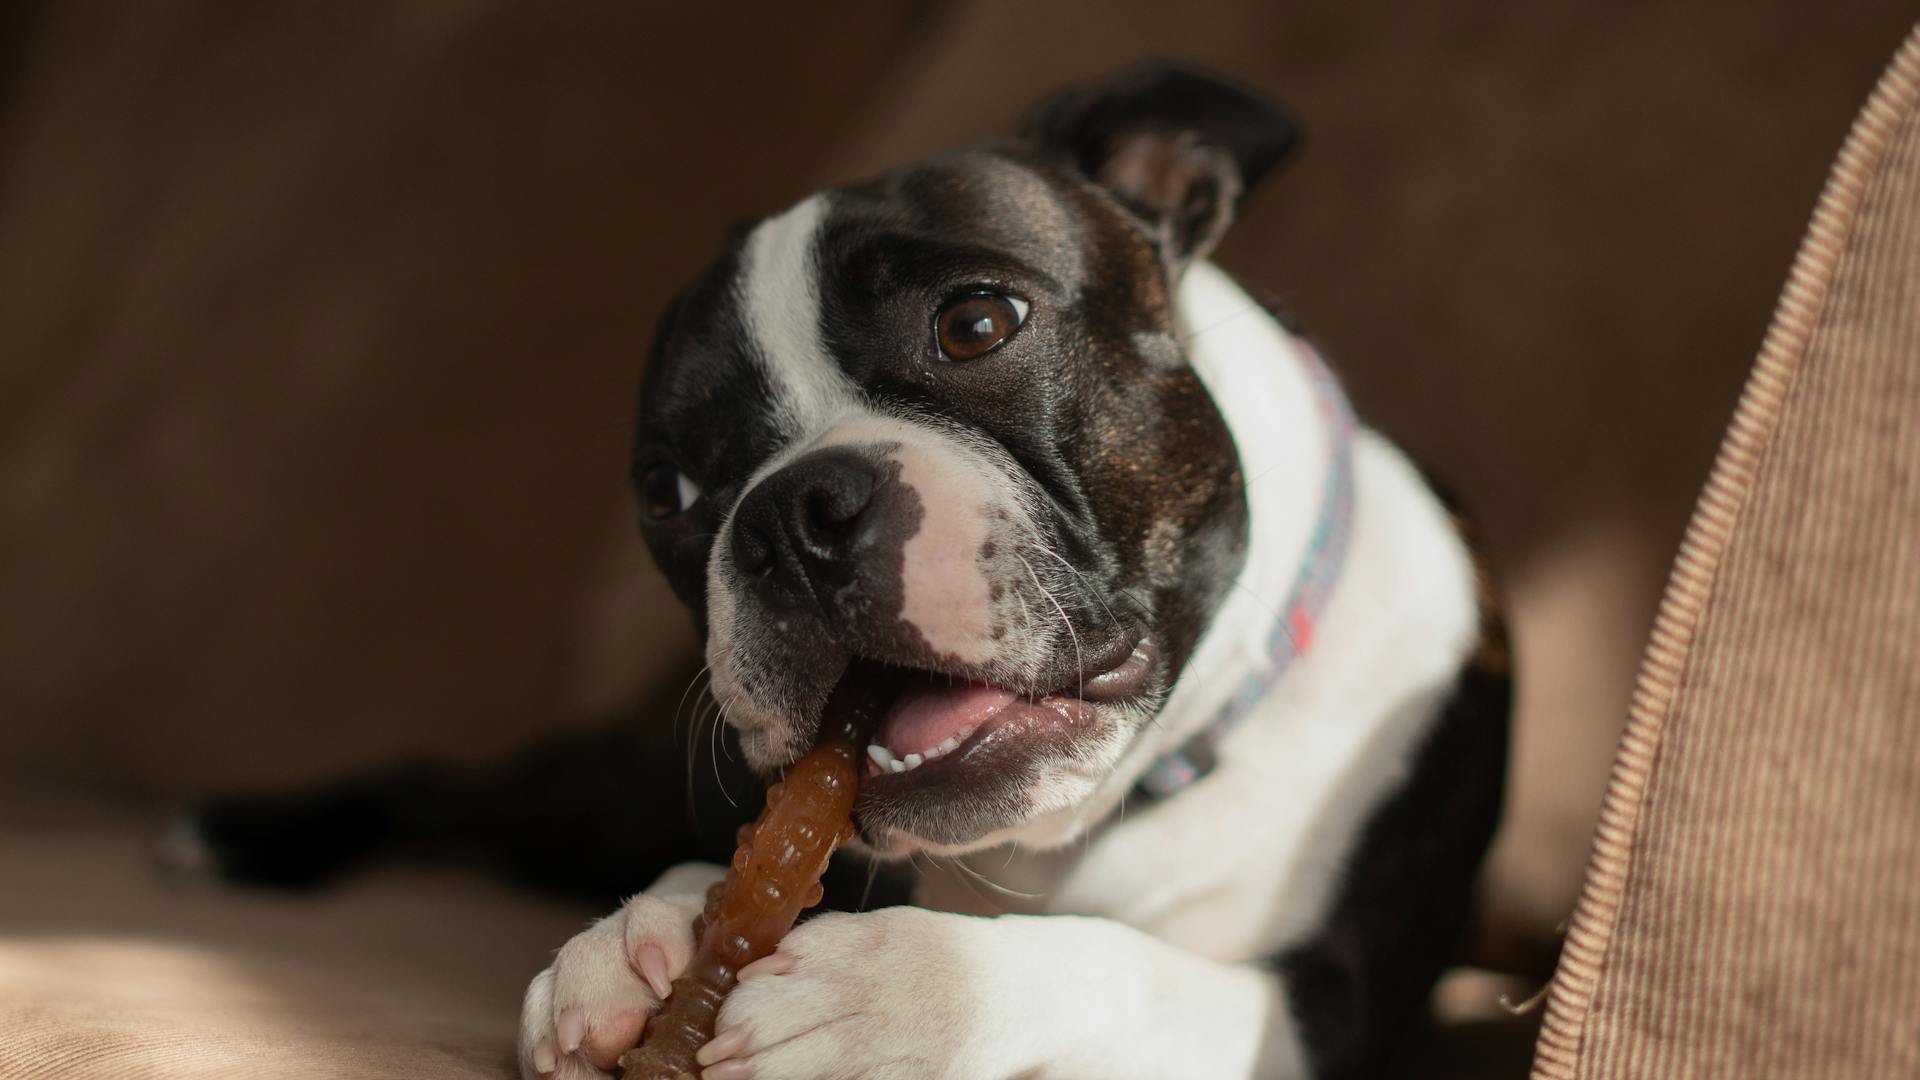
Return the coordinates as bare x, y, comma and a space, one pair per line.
1192, 694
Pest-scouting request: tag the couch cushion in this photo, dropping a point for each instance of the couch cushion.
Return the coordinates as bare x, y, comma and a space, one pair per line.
1751, 908
107, 970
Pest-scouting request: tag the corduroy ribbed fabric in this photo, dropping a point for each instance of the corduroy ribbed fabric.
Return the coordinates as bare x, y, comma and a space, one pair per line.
1752, 906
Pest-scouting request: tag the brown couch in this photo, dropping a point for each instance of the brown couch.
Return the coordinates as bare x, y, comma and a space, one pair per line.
320, 324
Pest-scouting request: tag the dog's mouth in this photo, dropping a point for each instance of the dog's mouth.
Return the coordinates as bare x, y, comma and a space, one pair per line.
929, 729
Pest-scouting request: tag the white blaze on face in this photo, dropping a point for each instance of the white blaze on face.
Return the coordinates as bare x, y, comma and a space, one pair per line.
780, 295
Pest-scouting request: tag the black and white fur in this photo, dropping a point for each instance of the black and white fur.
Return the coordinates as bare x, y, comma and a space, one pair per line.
1100, 518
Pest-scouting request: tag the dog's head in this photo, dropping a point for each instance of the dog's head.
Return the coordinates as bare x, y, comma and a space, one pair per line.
930, 447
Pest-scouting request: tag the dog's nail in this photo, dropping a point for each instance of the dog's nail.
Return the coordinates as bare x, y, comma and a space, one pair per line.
653, 968
571, 1027
723, 1046
544, 1058
771, 964
610, 1036
726, 1070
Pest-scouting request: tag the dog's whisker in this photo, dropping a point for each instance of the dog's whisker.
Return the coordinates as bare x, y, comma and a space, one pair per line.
705, 669
1079, 578
1027, 621
693, 737
1251, 309
1146, 609
706, 710
720, 736
968, 872
873, 875
913, 860
1257, 477
1285, 625
969, 886
703, 702
720, 718
1079, 661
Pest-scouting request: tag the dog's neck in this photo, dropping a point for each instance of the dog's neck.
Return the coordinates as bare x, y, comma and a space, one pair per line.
1261, 380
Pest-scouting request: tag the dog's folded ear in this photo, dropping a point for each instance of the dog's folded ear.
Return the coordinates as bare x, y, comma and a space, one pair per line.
1176, 146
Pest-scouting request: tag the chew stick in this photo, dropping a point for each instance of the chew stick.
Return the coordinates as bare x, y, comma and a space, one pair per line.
775, 875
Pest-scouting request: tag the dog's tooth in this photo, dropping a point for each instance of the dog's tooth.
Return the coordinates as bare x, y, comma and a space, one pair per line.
896, 765
953, 741
881, 756
913, 760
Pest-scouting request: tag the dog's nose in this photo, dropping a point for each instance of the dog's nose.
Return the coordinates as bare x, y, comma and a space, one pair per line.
799, 532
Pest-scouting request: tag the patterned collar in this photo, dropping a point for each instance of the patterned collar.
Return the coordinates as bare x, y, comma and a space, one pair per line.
1292, 633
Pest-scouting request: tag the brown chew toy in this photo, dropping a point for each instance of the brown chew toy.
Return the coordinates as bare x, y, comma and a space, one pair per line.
774, 876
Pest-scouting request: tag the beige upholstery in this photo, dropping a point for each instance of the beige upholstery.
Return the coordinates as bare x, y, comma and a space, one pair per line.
1753, 905
105, 970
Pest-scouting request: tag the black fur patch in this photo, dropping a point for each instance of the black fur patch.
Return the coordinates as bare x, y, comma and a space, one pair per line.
1359, 989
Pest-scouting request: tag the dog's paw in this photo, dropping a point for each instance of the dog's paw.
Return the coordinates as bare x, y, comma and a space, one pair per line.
592, 1002
887, 995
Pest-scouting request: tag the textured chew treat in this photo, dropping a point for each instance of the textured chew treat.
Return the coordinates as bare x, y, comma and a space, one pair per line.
775, 875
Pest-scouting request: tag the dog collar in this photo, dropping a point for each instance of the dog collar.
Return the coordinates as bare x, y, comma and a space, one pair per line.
1292, 633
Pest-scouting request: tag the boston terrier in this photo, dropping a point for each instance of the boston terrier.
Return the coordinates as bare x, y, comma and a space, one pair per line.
1193, 694
1194, 715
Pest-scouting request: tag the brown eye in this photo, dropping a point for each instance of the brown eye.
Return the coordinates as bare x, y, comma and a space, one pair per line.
974, 325
665, 491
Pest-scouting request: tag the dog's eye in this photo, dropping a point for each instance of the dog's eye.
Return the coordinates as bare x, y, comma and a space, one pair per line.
974, 325
665, 491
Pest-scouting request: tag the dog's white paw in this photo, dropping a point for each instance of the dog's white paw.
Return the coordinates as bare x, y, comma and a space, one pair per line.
887, 995
592, 1002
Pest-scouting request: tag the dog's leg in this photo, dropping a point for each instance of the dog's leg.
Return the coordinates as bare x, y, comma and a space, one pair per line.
593, 813
1360, 986
909, 993
905, 993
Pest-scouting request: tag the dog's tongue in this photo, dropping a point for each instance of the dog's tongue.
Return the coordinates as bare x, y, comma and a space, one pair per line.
926, 714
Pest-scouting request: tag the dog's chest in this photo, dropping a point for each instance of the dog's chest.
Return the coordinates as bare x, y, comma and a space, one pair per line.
1175, 876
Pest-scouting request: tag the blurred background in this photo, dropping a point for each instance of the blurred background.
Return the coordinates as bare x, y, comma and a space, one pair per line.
320, 324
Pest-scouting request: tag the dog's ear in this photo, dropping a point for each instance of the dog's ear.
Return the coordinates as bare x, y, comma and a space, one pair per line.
1176, 146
